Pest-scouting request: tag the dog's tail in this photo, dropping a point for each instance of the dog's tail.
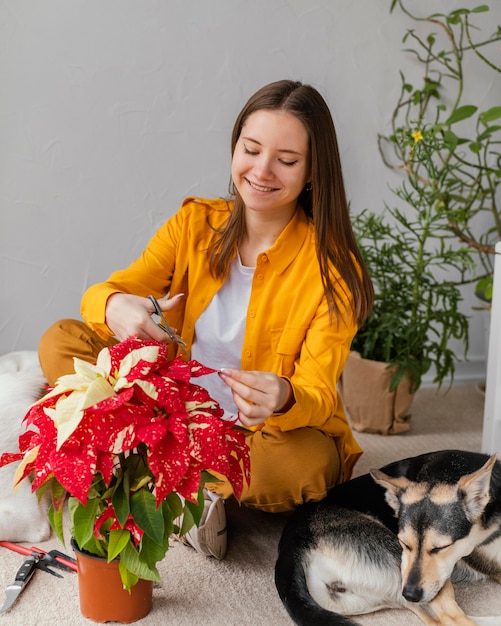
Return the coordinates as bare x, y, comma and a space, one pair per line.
290, 580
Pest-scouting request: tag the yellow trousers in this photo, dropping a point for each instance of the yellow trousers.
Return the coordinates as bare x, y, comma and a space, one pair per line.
287, 468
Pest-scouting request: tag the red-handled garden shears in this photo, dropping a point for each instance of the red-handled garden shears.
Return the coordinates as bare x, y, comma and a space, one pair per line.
36, 558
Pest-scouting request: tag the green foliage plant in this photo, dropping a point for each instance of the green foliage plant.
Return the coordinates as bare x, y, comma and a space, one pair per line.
442, 234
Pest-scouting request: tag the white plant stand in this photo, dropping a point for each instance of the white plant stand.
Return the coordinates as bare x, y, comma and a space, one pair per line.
491, 435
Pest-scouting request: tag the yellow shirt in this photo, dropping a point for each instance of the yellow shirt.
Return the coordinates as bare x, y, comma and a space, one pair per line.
288, 330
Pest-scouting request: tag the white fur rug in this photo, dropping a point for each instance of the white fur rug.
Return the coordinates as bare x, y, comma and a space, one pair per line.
22, 517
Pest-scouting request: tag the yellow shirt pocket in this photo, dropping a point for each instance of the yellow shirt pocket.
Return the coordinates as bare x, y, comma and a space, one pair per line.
286, 345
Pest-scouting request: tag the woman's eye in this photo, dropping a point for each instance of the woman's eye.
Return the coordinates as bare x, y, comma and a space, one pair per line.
247, 151
288, 163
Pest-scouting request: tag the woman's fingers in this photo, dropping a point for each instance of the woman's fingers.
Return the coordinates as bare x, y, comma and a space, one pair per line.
128, 315
256, 394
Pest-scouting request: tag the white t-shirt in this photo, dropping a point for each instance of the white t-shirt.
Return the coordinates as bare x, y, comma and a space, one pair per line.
219, 333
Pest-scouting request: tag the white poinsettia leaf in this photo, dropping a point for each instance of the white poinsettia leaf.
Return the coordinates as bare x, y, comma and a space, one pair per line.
148, 388
145, 353
104, 361
69, 409
28, 458
98, 390
65, 384
88, 371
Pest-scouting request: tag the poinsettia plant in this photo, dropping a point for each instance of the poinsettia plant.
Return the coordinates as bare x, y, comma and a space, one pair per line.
131, 440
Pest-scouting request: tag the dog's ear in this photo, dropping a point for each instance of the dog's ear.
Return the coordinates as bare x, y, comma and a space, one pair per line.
476, 489
394, 487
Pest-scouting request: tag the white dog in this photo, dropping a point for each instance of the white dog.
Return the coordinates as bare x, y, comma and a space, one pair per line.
22, 517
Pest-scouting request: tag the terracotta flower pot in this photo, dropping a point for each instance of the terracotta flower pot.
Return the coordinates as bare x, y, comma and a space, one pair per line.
102, 596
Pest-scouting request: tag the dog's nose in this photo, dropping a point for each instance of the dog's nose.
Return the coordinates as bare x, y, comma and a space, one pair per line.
413, 593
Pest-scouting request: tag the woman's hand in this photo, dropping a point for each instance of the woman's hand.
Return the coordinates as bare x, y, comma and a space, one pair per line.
258, 394
128, 315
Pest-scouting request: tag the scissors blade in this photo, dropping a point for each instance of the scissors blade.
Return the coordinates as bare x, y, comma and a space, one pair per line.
23, 576
165, 326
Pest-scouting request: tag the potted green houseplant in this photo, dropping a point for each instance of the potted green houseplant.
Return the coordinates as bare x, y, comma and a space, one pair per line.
442, 232
415, 316
461, 173
126, 442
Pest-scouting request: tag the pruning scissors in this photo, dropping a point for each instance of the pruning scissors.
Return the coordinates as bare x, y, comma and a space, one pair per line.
36, 558
165, 326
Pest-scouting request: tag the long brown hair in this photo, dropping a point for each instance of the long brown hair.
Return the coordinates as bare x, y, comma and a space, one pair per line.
324, 200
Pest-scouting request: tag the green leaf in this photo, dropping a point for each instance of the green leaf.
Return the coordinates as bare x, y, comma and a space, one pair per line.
128, 578
146, 515
129, 559
454, 18
192, 513
461, 113
83, 519
488, 132
450, 139
174, 504
494, 113
56, 509
56, 522
152, 552
480, 9
120, 500
475, 147
118, 539
484, 287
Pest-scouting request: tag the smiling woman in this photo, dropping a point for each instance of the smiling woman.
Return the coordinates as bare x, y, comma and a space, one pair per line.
270, 168
268, 287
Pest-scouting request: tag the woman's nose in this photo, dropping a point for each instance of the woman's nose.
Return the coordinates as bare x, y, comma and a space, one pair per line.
263, 167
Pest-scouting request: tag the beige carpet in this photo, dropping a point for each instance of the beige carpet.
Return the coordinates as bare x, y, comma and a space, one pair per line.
240, 590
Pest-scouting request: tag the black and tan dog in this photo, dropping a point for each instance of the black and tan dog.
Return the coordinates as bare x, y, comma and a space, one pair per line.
395, 538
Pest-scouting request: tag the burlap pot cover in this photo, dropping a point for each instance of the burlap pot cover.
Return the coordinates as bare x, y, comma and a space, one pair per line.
369, 403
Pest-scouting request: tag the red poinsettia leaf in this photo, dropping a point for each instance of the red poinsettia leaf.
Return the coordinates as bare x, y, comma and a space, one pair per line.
104, 465
167, 394
119, 351
189, 485
136, 532
112, 403
178, 369
102, 430
10, 457
197, 369
168, 462
74, 470
28, 440
42, 467
107, 514
152, 433
177, 424
206, 435
38, 417
234, 475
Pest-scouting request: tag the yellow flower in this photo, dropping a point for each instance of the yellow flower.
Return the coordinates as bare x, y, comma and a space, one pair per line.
417, 136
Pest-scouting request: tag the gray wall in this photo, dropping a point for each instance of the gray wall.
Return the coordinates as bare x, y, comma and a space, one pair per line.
112, 111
